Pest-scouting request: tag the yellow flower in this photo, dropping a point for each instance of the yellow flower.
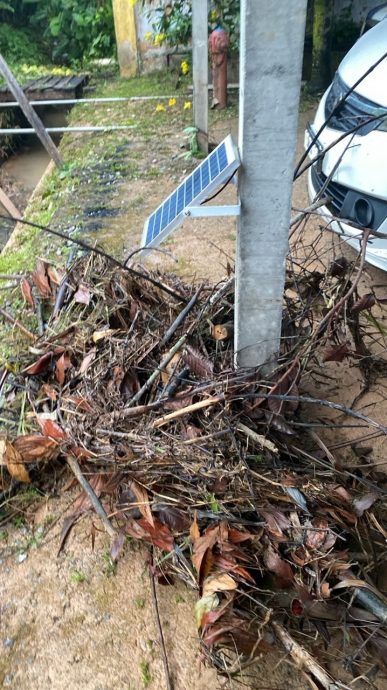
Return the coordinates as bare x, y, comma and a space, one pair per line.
187, 105
148, 36
214, 16
172, 102
184, 66
160, 108
159, 39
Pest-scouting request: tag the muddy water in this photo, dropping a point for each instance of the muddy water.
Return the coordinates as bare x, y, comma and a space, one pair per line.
19, 176
21, 172
27, 166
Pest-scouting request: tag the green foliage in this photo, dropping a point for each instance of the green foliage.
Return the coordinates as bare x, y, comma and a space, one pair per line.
145, 674
5, 6
139, 602
73, 31
110, 567
191, 134
172, 22
77, 576
76, 30
17, 45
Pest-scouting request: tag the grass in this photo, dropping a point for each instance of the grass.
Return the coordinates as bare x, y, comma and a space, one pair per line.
95, 167
77, 577
110, 567
139, 602
145, 674
156, 84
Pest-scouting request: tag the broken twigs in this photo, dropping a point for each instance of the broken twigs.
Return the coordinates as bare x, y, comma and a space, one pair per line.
303, 660
155, 605
96, 503
187, 410
179, 319
164, 362
99, 252
17, 324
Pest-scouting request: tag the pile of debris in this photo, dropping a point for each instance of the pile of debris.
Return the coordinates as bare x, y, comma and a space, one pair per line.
131, 383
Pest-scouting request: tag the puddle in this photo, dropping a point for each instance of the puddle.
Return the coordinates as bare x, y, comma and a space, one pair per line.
26, 167
22, 171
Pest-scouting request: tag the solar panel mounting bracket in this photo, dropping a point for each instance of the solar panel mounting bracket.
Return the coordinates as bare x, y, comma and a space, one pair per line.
212, 211
188, 200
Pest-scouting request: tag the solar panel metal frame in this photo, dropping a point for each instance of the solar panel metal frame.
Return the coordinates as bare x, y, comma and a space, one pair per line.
175, 219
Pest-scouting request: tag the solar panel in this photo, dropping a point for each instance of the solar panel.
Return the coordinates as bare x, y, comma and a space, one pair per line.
214, 171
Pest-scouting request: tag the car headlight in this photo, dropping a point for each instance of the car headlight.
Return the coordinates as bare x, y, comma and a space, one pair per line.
383, 122
354, 111
335, 94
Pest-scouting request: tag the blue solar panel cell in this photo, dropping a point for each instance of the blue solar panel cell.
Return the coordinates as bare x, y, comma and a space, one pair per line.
214, 166
172, 207
196, 182
151, 225
156, 229
218, 167
165, 215
188, 191
222, 156
205, 172
180, 199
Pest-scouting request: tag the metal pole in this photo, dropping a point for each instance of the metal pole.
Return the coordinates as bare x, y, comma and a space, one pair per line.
200, 70
30, 113
270, 80
93, 101
57, 130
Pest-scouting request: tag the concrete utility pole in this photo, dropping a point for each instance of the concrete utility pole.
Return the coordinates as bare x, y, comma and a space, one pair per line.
30, 113
272, 38
200, 70
126, 37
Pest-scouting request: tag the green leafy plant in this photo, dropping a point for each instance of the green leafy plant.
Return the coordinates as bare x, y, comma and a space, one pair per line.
77, 30
172, 21
17, 45
193, 146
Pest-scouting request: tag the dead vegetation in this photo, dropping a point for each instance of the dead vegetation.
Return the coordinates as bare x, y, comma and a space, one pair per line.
225, 473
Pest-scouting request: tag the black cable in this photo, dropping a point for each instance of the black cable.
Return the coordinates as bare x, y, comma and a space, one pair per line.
210, 198
100, 252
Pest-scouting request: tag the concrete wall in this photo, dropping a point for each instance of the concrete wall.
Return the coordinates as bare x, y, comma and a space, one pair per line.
153, 57
358, 8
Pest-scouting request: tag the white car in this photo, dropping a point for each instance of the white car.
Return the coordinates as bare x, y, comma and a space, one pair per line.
353, 173
374, 17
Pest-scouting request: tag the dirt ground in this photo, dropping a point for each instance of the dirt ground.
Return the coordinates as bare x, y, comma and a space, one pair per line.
73, 621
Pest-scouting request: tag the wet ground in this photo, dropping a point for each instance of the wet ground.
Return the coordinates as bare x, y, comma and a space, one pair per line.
68, 622
22, 170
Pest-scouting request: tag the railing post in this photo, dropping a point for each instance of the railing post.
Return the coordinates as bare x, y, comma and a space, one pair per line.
30, 113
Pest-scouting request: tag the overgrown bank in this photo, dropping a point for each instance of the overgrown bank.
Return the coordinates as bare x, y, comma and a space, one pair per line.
91, 196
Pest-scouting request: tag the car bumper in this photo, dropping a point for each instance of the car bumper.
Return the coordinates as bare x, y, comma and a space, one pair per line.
376, 253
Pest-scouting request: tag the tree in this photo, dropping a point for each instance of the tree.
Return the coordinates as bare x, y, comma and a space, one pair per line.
322, 40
